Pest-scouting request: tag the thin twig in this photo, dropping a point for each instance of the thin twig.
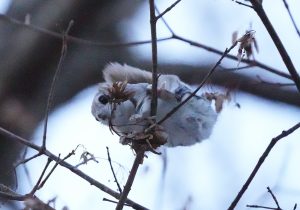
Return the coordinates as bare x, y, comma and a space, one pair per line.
267, 207
75, 39
236, 68
130, 44
153, 21
64, 164
165, 22
233, 57
261, 207
168, 9
260, 162
257, 6
274, 197
295, 206
243, 4
53, 168
111, 201
113, 171
291, 16
138, 160
54, 80
216, 51
28, 159
169, 114
36, 186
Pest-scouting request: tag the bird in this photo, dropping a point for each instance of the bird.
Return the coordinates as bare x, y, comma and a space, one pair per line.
123, 102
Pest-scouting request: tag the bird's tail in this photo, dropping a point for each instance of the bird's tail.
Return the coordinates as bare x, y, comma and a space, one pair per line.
115, 72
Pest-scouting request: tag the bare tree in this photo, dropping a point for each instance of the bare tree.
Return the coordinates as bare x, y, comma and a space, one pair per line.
39, 37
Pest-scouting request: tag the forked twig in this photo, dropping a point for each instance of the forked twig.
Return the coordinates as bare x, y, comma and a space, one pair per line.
36, 186
65, 164
267, 207
260, 162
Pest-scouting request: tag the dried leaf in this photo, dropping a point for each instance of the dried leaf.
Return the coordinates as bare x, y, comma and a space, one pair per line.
118, 92
219, 99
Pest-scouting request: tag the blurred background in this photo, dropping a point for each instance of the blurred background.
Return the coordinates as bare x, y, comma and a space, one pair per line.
203, 176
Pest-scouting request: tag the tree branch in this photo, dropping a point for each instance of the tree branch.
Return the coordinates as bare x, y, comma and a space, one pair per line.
113, 171
169, 114
257, 6
138, 160
291, 16
54, 80
260, 162
73, 169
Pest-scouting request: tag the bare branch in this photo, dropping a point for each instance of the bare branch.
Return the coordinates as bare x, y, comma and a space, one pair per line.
138, 160
260, 162
153, 21
53, 168
168, 9
291, 16
169, 114
36, 186
54, 80
64, 164
267, 207
28, 159
274, 197
257, 6
75, 39
140, 152
233, 57
113, 171
243, 4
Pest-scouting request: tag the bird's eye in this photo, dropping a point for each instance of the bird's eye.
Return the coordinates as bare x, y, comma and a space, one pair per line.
103, 99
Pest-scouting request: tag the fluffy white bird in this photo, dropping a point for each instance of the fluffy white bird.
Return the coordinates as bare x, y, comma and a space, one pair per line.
123, 103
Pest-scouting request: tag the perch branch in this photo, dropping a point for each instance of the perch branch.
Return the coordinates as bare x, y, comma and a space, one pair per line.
138, 160
153, 21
